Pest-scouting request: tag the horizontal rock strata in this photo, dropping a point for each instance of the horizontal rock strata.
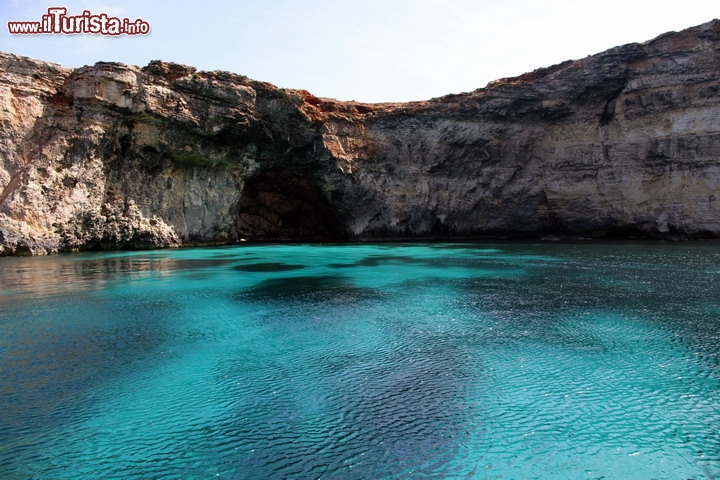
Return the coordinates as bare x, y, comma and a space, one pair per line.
626, 142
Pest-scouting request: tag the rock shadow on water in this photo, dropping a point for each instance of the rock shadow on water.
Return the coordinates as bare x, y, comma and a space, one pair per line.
371, 261
477, 248
370, 416
194, 269
383, 260
481, 262
195, 263
268, 267
312, 288
408, 412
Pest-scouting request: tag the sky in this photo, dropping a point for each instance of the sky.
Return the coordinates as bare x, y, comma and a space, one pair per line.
363, 50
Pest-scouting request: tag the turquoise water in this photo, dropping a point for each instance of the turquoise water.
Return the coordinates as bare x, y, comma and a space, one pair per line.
510, 361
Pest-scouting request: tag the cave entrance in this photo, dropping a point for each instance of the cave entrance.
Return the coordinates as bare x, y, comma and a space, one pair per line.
283, 205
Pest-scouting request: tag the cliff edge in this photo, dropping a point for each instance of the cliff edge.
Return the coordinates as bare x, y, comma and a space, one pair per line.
625, 142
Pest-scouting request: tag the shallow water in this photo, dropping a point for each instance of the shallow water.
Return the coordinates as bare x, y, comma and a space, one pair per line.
556, 361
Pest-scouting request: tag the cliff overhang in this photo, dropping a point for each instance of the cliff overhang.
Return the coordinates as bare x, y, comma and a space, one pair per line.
622, 143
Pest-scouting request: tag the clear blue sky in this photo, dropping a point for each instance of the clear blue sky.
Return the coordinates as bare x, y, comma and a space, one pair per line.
365, 50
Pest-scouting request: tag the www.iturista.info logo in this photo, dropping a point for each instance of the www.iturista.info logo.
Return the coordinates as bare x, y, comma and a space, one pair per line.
57, 21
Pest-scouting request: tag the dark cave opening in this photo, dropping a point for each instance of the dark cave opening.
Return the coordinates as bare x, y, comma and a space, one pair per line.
284, 205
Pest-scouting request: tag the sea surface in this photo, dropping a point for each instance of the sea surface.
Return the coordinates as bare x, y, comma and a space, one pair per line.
363, 361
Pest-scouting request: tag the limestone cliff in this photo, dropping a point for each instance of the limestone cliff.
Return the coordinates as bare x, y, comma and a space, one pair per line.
626, 142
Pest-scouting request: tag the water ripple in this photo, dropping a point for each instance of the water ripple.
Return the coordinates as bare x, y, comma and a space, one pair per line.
390, 361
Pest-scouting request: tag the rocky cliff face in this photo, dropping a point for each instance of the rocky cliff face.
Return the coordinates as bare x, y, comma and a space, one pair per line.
626, 142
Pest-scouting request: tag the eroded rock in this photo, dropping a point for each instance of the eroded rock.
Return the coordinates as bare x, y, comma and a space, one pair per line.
625, 142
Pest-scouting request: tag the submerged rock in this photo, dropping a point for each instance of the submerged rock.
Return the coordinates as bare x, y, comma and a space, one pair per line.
625, 142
